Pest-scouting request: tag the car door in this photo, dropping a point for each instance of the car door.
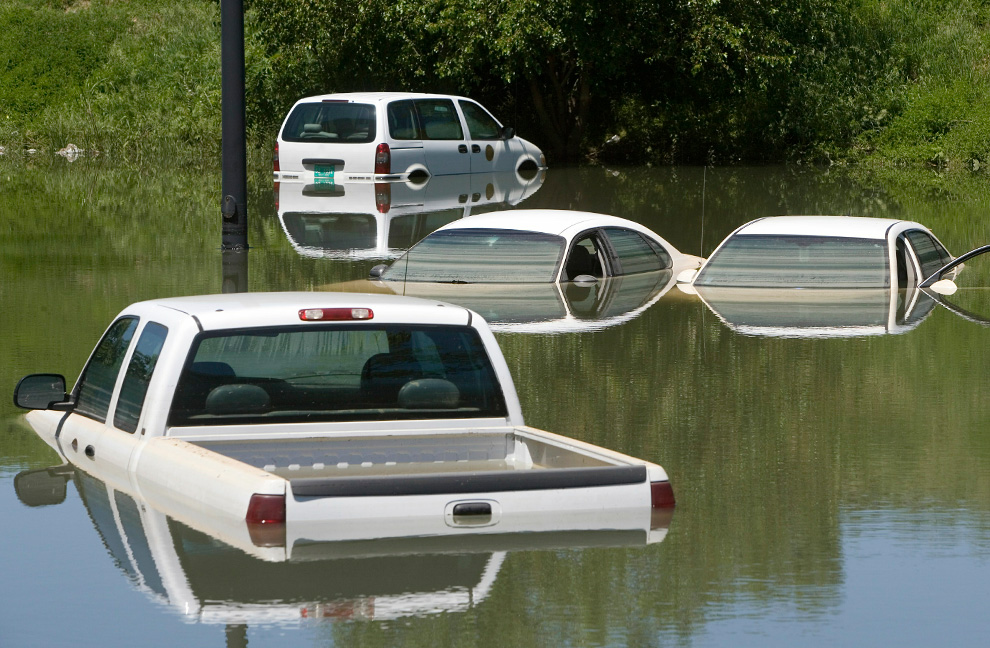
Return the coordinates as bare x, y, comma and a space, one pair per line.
93, 393
490, 150
110, 395
444, 145
633, 253
929, 253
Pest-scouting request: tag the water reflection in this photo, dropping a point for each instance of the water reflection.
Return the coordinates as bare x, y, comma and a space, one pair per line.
219, 571
817, 313
379, 220
544, 307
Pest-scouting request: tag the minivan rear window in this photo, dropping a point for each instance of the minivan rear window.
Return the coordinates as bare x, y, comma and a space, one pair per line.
331, 122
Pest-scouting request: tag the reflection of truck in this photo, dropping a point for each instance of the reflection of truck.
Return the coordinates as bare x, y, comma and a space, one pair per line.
377, 221
304, 407
211, 572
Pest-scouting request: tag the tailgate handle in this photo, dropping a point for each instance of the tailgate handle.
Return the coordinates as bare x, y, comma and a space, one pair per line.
472, 508
472, 513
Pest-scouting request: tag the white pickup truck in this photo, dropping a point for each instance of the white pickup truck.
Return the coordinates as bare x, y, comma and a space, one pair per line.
304, 408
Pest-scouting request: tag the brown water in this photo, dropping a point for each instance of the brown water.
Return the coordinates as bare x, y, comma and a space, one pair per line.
830, 490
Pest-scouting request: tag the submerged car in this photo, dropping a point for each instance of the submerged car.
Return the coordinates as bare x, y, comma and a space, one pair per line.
386, 136
536, 246
808, 252
826, 276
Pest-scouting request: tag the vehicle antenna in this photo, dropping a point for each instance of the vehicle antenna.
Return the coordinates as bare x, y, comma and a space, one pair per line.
704, 182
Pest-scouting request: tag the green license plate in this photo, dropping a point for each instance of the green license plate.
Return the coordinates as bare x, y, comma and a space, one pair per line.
323, 173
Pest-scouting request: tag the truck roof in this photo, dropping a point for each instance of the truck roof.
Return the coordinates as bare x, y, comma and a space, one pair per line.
237, 310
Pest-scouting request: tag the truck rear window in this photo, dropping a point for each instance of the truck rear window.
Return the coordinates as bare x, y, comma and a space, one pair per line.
336, 373
331, 122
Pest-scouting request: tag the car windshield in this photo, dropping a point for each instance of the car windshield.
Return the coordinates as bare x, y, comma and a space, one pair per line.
343, 372
797, 262
330, 122
480, 256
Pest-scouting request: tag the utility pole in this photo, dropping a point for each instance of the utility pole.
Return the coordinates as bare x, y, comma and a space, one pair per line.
233, 206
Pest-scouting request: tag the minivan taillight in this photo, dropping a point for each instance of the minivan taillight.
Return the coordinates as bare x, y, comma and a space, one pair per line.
383, 160
275, 168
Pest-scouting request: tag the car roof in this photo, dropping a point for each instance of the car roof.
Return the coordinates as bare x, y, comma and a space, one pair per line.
378, 96
544, 221
236, 310
864, 227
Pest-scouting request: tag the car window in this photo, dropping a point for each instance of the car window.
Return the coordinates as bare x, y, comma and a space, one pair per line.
438, 119
635, 253
403, 124
481, 125
586, 257
931, 255
797, 262
139, 371
480, 256
100, 375
338, 122
328, 372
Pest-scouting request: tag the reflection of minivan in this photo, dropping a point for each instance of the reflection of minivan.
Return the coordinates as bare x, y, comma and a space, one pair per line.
394, 136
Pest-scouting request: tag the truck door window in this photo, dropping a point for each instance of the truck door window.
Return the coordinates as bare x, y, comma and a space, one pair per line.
138, 375
100, 376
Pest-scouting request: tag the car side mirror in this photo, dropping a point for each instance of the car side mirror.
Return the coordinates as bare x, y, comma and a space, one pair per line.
377, 271
41, 391
508, 132
944, 287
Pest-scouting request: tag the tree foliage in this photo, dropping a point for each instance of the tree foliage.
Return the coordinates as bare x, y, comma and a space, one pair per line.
691, 78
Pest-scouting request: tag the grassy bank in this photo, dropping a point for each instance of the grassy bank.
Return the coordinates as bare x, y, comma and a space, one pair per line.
138, 81
882, 83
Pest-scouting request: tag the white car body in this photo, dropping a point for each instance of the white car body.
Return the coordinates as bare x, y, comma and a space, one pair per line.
906, 253
388, 136
572, 229
785, 276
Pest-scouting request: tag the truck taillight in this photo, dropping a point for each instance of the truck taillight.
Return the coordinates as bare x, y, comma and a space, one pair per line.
275, 167
266, 509
661, 494
335, 314
383, 160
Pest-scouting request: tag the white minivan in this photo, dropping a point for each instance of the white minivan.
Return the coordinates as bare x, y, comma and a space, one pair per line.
384, 136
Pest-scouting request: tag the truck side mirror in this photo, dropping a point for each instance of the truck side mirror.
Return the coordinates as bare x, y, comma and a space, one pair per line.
40, 391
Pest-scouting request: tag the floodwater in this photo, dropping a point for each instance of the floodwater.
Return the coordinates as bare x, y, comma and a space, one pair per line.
831, 490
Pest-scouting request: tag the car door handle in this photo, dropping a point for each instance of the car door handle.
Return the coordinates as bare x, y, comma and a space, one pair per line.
475, 148
462, 148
